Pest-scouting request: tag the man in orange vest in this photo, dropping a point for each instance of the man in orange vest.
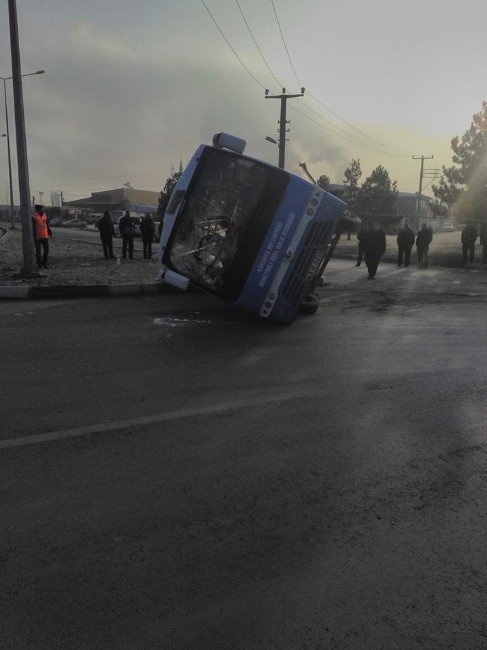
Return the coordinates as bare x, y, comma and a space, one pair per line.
42, 232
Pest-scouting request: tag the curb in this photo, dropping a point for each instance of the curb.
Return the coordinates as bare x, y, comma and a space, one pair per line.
85, 291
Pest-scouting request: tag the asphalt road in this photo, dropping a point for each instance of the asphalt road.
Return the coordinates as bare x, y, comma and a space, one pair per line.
176, 474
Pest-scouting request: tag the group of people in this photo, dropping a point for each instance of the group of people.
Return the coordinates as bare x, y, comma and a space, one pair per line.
42, 233
405, 242
372, 246
127, 229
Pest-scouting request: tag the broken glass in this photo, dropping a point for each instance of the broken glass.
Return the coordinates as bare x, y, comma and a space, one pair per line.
218, 210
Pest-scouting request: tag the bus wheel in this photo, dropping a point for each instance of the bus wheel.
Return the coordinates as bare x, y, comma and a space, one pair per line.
309, 305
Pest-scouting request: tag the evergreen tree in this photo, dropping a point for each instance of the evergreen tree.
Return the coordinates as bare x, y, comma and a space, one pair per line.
163, 200
351, 179
377, 197
464, 184
324, 182
438, 208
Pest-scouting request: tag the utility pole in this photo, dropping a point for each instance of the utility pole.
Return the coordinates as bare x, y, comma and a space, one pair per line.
421, 175
282, 122
24, 190
12, 225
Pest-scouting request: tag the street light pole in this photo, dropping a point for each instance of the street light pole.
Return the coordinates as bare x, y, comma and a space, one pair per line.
9, 156
10, 180
24, 190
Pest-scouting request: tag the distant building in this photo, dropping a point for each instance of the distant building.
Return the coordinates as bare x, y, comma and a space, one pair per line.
123, 198
406, 203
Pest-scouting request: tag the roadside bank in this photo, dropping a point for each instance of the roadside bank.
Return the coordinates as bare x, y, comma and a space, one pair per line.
77, 268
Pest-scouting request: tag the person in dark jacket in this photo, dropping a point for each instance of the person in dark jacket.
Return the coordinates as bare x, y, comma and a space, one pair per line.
361, 237
127, 232
107, 233
423, 241
147, 230
483, 241
469, 237
42, 233
374, 248
405, 241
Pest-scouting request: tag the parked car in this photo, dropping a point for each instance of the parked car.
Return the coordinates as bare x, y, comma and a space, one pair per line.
448, 227
55, 222
73, 223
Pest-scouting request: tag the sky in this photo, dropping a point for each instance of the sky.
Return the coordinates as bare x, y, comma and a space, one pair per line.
131, 88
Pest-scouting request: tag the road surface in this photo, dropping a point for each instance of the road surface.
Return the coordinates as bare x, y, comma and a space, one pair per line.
176, 474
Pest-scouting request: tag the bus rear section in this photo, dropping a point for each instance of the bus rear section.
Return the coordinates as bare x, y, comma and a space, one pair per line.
247, 232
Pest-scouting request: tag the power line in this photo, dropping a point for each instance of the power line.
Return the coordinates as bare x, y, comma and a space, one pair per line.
354, 139
435, 178
256, 44
284, 43
346, 136
319, 101
277, 80
355, 142
382, 144
230, 46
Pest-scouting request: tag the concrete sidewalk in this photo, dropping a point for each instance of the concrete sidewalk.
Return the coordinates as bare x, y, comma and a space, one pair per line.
77, 269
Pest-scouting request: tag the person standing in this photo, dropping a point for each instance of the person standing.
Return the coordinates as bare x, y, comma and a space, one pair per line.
374, 248
423, 241
42, 233
361, 237
127, 232
405, 241
107, 233
483, 241
469, 237
147, 230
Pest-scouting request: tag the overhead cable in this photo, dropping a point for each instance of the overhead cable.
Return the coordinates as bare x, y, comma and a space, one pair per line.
284, 43
230, 46
257, 45
318, 100
347, 136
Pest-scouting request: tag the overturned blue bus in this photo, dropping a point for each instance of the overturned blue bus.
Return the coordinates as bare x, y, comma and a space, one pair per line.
248, 232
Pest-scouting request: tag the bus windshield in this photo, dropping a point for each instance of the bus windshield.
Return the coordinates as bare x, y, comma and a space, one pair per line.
227, 210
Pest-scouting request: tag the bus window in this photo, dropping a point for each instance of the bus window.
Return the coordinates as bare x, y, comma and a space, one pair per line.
223, 221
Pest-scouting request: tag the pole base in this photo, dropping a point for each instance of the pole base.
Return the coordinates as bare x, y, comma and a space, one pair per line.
29, 275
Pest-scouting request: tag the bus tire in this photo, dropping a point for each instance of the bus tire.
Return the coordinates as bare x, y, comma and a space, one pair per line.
309, 305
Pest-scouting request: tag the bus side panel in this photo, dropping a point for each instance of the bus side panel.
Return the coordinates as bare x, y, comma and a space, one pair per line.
292, 252
275, 243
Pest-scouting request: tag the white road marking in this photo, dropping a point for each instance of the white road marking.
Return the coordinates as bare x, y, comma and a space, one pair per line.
177, 322
187, 412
